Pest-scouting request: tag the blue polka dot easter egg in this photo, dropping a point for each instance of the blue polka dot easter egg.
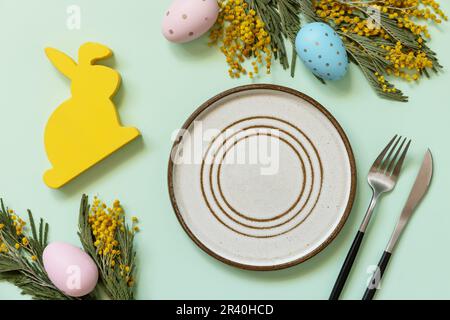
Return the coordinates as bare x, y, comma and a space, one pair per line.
322, 51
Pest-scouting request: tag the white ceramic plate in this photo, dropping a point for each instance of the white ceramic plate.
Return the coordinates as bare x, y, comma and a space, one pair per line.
262, 177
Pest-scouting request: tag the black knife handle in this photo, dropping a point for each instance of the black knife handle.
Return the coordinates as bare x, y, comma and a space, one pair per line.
376, 278
346, 267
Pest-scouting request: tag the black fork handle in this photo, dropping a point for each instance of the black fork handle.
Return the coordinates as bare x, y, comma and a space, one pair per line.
347, 266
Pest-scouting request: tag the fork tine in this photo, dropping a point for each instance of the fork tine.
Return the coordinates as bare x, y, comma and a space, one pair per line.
378, 160
393, 161
387, 160
399, 164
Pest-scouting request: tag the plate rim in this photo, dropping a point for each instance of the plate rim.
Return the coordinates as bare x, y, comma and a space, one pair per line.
209, 103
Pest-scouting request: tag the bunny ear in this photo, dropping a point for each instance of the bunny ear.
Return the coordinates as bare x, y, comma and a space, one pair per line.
61, 61
91, 52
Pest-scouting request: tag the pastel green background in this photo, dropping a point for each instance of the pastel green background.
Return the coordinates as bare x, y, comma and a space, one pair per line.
162, 85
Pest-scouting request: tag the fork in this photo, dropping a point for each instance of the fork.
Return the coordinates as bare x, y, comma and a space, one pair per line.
382, 178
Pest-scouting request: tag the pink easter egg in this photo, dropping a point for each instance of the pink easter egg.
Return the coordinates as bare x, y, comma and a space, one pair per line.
70, 269
186, 20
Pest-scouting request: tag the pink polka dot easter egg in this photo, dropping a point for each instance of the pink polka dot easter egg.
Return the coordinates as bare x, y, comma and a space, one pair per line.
186, 20
70, 269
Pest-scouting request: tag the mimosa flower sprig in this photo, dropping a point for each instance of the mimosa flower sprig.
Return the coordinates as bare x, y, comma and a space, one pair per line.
109, 240
21, 255
255, 30
384, 38
104, 235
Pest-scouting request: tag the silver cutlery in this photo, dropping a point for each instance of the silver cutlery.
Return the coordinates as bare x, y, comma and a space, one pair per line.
382, 178
418, 191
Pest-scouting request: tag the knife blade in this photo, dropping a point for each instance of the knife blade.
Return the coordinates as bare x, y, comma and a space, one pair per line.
417, 193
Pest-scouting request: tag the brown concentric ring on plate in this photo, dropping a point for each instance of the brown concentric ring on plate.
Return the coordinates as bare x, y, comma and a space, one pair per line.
322, 110
227, 203
279, 216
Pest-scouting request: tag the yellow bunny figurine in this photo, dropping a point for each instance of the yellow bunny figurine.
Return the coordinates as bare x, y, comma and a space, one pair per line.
84, 129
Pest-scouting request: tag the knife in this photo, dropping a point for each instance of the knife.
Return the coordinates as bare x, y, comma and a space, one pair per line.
418, 191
